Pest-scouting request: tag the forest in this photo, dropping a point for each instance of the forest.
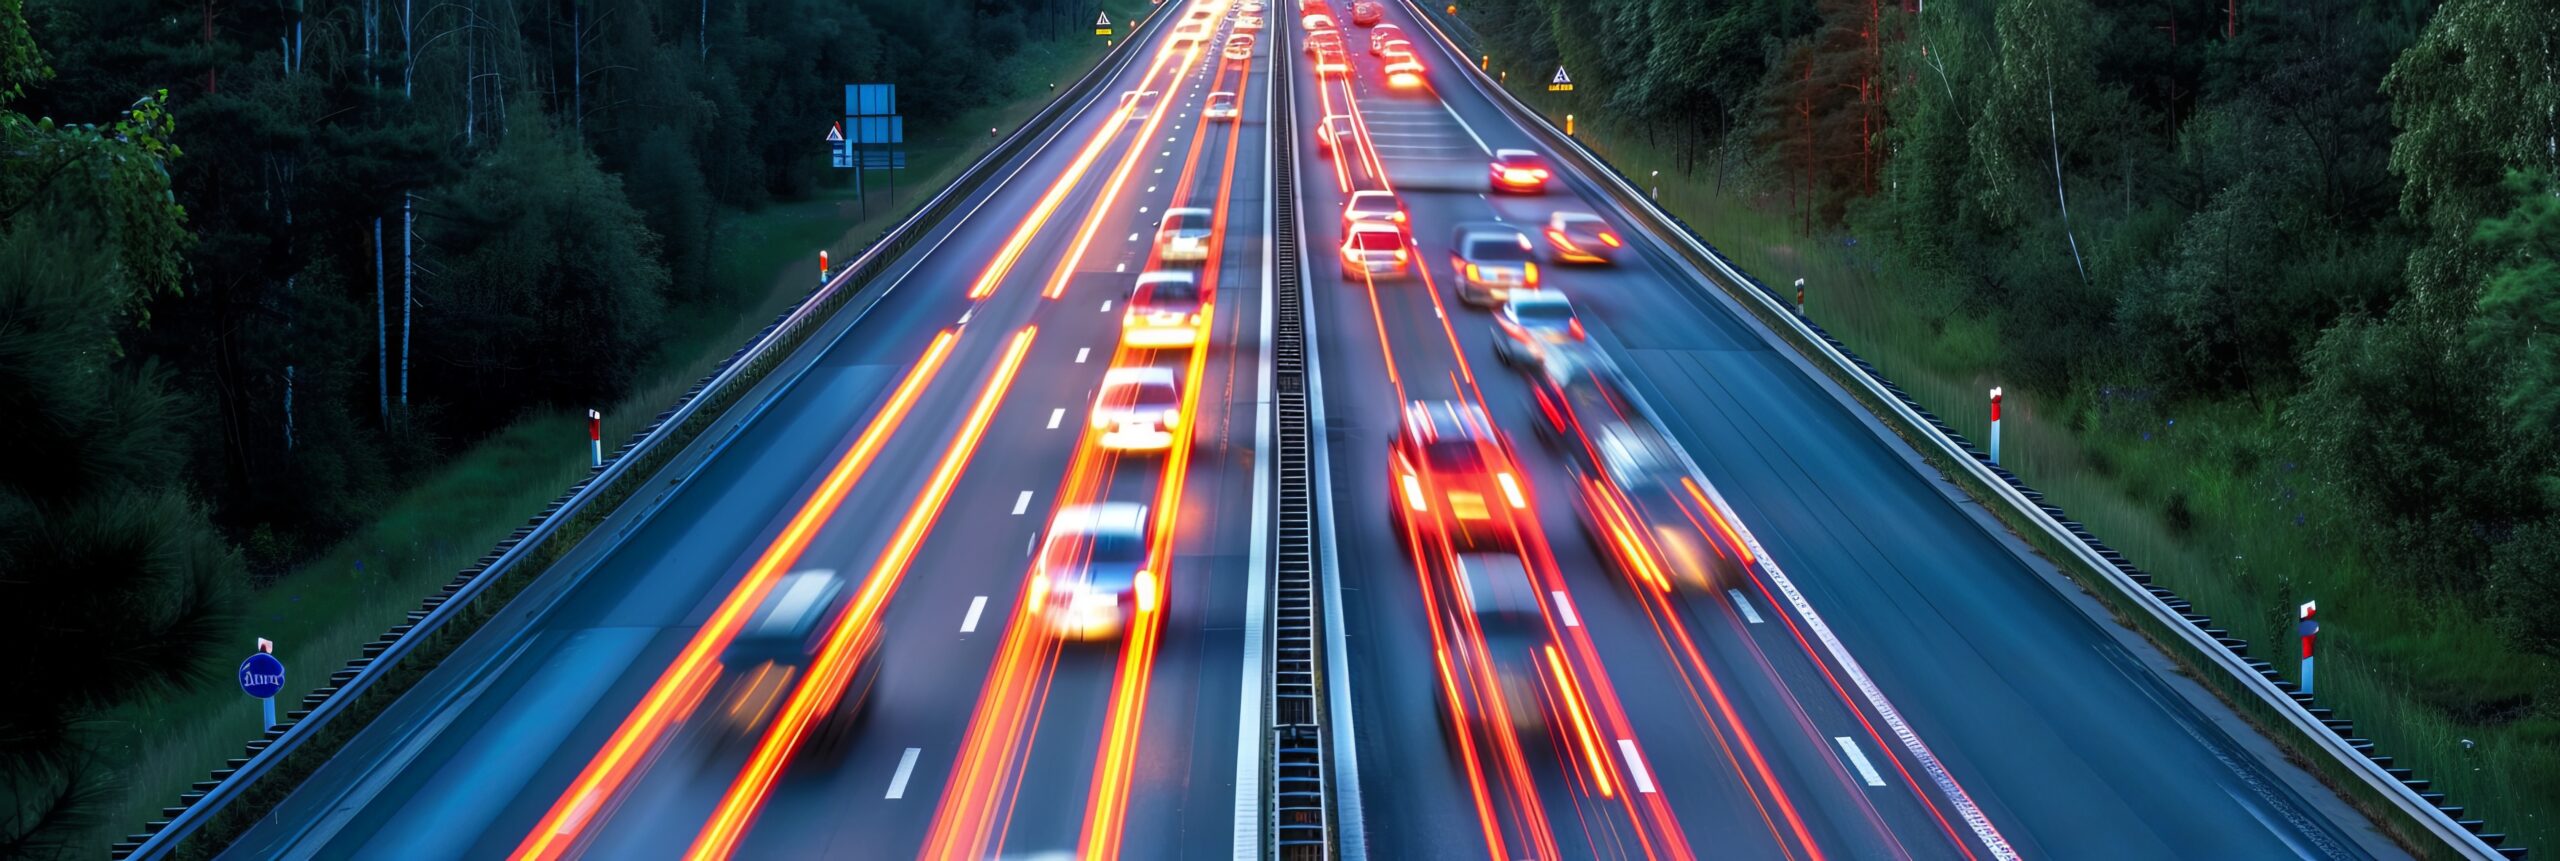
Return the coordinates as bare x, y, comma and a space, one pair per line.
2325, 235
264, 265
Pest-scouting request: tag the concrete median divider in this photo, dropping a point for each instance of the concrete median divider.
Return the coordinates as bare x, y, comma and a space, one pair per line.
241, 792
2400, 802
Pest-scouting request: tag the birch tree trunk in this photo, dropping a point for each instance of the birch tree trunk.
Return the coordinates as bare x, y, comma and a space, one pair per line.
2053, 135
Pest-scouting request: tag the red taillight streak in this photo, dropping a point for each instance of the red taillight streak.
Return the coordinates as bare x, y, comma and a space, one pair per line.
1739, 548
1599, 762
685, 680
836, 659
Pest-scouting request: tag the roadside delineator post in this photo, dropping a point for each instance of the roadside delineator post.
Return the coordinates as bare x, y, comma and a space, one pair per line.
2310, 630
822, 266
1995, 426
595, 439
1657, 185
1799, 297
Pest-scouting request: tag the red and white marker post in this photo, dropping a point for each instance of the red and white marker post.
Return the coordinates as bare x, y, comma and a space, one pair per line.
822, 266
595, 439
1995, 426
2310, 630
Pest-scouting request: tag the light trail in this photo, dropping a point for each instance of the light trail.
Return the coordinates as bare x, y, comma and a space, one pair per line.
837, 658
1119, 178
683, 683
1058, 188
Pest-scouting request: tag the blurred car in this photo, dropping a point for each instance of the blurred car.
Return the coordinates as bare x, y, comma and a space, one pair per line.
1373, 205
1493, 594
1091, 577
1249, 23
1239, 47
1182, 236
780, 640
1367, 12
1316, 22
1164, 310
1249, 8
1397, 50
1629, 481
1318, 41
1336, 132
1520, 171
1378, 38
1332, 61
1138, 409
1404, 74
1375, 249
1190, 33
1531, 321
1581, 237
1221, 106
1451, 476
1491, 261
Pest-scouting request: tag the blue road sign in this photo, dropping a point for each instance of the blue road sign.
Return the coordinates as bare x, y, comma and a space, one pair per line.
870, 100
261, 676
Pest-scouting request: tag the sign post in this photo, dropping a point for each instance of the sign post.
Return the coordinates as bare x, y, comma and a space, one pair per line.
1995, 426
595, 439
2310, 630
262, 676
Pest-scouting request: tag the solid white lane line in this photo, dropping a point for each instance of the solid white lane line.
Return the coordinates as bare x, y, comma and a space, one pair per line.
1056, 416
1462, 123
1022, 503
977, 606
1744, 604
906, 767
1635, 765
1564, 607
1081, 353
1858, 758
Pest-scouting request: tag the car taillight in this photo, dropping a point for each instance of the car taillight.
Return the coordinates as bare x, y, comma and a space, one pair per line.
1128, 317
1413, 492
1195, 320
1101, 419
1511, 490
1400, 256
1557, 237
1610, 238
1399, 216
1146, 589
1576, 329
1173, 418
1530, 273
1039, 592
1473, 273
1512, 329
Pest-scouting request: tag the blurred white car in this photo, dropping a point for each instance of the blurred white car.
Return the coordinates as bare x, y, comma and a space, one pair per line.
1139, 409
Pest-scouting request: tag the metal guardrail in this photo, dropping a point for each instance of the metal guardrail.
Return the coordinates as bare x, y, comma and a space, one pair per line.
2170, 617
1301, 823
567, 520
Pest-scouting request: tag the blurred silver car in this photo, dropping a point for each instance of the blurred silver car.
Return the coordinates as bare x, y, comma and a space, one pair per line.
1091, 577
1530, 323
1490, 262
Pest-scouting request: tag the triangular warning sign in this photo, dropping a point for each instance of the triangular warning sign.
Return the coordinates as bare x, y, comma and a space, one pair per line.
1104, 21
836, 134
1560, 77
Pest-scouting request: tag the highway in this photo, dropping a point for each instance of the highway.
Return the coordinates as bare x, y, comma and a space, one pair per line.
2058, 735
919, 455
1890, 675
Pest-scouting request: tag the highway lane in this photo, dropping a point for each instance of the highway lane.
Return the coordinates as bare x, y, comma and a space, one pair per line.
472, 778
2060, 729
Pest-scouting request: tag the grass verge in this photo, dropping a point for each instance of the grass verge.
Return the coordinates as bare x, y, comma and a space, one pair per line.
2202, 495
323, 612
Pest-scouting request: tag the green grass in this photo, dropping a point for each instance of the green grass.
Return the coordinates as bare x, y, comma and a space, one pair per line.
323, 612
2417, 673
